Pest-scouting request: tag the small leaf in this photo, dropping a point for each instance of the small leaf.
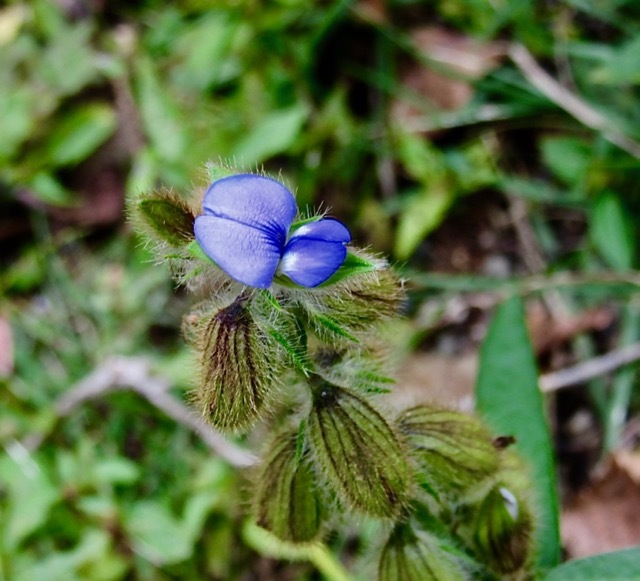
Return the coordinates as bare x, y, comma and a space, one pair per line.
358, 451
611, 232
79, 134
508, 397
287, 502
273, 134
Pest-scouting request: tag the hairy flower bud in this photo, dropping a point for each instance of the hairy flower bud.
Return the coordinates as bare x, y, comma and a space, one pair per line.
237, 367
355, 303
165, 217
502, 530
358, 451
455, 451
412, 555
287, 502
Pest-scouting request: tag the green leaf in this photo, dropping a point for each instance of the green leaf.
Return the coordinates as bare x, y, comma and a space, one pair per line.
159, 114
274, 134
79, 134
421, 214
615, 566
611, 232
567, 157
31, 496
508, 397
351, 266
156, 534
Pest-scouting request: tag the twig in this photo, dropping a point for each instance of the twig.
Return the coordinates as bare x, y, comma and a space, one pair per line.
133, 373
566, 100
589, 369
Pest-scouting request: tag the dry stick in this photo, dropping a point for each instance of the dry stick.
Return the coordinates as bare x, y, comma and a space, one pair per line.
132, 373
594, 367
566, 100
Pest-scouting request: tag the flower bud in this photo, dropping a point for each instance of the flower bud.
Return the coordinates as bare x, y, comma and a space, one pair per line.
412, 555
358, 451
355, 303
287, 501
454, 451
502, 530
237, 367
164, 217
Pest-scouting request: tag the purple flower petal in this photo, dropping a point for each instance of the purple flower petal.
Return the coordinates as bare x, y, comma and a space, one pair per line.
247, 254
255, 201
315, 251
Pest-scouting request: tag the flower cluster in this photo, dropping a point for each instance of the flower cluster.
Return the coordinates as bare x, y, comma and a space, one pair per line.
286, 303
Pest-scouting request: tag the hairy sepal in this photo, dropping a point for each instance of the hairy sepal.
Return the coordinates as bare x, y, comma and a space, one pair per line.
502, 530
287, 501
345, 309
239, 364
358, 452
162, 216
454, 452
416, 555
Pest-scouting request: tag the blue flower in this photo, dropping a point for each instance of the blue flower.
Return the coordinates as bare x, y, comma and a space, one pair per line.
245, 227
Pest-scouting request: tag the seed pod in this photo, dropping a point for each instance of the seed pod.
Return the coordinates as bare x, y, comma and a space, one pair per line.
502, 530
237, 367
455, 451
165, 217
358, 451
287, 501
411, 555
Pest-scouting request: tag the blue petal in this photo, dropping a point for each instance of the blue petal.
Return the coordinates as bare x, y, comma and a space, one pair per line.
315, 251
255, 201
246, 254
327, 229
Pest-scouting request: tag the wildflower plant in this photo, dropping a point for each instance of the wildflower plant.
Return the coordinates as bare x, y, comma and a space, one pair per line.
284, 328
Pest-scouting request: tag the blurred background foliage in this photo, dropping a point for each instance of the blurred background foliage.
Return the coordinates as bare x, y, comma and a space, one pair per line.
487, 147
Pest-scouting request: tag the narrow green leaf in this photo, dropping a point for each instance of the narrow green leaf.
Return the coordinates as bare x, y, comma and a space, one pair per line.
80, 134
611, 232
508, 397
615, 566
272, 135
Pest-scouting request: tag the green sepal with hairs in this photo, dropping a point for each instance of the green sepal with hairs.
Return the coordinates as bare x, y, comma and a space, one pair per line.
412, 554
287, 501
163, 217
502, 530
454, 451
239, 366
357, 451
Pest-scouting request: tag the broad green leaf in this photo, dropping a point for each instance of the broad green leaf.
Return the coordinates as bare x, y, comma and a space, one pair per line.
79, 134
611, 232
508, 397
274, 134
615, 566
116, 470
